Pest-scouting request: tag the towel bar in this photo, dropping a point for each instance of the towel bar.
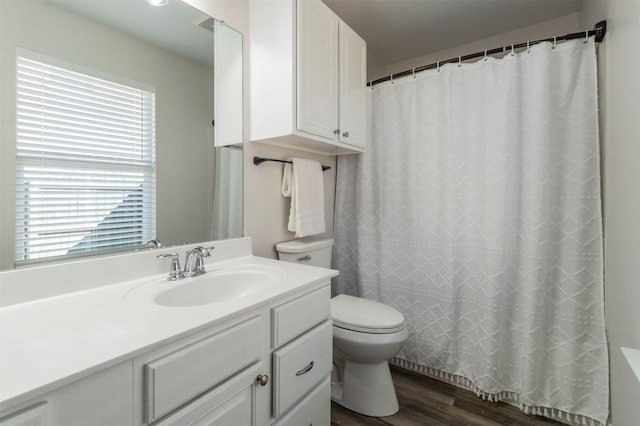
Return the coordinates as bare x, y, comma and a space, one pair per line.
259, 160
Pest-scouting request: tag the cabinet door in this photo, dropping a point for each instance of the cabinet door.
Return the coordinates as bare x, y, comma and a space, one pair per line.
353, 80
317, 50
32, 416
101, 399
178, 376
227, 97
231, 403
314, 409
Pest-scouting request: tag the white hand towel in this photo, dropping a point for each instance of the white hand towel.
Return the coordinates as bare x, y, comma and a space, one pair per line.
304, 183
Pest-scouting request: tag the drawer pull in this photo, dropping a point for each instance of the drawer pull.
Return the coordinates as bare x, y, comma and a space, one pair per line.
305, 370
304, 258
262, 379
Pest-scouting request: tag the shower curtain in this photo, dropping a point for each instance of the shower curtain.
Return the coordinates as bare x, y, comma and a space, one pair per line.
227, 194
476, 212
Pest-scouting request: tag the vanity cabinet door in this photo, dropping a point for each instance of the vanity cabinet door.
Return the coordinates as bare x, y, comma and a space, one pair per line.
32, 416
186, 373
101, 399
231, 403
312, 410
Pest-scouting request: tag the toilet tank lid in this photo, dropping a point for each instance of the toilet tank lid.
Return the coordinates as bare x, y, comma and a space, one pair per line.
362, 313
304, 244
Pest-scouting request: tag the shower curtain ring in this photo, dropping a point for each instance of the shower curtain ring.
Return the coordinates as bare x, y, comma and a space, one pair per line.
438, 66
371, 84
586, 37
513, 52
485, 55
528, 47
459, 61
413, 71
553, 46
391, 78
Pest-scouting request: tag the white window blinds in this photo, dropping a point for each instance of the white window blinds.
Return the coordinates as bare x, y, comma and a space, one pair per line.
85, 175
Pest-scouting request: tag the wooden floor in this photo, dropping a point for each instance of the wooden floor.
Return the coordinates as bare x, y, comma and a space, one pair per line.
427, 401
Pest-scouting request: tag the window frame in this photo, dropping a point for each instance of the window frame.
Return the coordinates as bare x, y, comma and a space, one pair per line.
145, 167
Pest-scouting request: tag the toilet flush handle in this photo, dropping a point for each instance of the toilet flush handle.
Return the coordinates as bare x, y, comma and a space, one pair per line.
304, 258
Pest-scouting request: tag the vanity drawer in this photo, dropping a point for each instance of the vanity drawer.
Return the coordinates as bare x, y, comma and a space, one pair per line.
314, 409
300, 365
299, 315
177, 377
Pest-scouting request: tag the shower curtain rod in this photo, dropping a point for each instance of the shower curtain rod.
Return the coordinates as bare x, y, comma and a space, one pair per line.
598, 31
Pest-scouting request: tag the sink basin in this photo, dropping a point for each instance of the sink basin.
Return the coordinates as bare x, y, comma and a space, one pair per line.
216, 286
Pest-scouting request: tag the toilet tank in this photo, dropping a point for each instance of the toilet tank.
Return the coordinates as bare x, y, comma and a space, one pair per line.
312, 251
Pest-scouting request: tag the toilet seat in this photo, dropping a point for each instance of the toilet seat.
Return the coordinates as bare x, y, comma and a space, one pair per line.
365, 316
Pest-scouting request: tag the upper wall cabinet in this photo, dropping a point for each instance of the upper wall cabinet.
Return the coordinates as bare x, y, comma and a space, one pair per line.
308, 78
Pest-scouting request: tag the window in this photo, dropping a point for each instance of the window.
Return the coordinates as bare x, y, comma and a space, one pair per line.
85, 161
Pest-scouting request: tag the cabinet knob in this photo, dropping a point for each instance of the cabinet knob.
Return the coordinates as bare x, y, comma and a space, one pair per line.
345, 134
263, 379
336, 132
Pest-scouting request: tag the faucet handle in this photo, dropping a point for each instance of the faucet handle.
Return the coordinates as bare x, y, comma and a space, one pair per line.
175, 272
204, 251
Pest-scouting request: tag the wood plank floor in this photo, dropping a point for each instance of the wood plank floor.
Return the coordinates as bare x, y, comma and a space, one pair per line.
427, 401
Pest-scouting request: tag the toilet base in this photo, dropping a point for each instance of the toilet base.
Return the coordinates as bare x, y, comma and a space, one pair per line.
366, 389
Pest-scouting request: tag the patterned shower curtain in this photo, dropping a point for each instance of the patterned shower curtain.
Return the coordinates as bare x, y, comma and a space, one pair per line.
476, 212
227, 194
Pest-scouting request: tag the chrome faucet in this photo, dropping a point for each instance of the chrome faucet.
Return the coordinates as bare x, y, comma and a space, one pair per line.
154, 243
194, 262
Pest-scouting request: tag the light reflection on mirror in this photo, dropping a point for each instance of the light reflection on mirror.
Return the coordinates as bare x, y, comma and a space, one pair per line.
169, 48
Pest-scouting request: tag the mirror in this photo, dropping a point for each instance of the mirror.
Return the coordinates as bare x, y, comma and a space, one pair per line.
192, 64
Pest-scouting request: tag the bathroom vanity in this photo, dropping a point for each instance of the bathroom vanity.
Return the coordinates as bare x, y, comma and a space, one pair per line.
121, 354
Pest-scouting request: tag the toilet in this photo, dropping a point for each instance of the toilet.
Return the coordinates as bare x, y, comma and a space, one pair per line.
366, 334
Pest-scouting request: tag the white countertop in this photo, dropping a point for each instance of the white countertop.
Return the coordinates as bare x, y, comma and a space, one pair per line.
47, 343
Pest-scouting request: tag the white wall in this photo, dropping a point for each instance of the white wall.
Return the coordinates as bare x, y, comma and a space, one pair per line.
620, 106
375, 67
266, 211
184, 102
559, 26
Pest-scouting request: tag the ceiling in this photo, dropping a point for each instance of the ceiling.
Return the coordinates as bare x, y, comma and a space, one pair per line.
174, 27
396, 30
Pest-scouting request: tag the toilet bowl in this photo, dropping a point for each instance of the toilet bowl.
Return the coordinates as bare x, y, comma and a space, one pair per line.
366, 334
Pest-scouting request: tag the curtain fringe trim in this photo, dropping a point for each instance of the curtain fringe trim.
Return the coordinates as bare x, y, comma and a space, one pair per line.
508, 397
